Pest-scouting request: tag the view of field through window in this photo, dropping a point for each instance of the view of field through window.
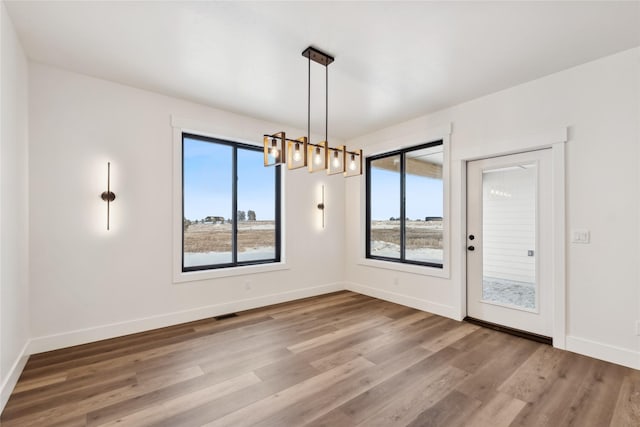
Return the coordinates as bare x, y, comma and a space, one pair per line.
423, 199
208, 205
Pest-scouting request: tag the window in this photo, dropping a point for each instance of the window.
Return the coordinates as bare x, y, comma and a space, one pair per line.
230, 205
405, 204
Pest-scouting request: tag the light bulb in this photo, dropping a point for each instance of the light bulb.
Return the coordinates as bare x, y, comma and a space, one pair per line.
296, 153
317, 159
352, 163
274, 148
336, 160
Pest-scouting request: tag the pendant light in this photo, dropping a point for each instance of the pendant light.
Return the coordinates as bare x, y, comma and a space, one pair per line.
302, 152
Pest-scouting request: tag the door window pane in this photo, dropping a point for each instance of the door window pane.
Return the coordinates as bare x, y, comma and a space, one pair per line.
424, 205
509, 235
384, 205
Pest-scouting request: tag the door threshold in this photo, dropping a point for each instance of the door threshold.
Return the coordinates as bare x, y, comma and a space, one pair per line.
511, 331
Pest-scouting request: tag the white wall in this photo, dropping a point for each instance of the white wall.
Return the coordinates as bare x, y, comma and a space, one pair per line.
599, 101
87, 283
14, 212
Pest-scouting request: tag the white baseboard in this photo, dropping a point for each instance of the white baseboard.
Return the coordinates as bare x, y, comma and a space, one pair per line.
12, 377
419, 304
83, 336
606, 352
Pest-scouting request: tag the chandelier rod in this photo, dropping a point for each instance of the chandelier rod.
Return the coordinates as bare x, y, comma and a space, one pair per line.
309, 99
326, 104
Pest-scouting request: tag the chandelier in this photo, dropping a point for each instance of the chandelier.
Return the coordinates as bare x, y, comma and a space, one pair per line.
301, 152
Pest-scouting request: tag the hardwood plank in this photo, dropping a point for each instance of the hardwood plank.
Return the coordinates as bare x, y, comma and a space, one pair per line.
38, 382
415, 336
290, 370
551, 401
483, 352
71, 410
419, 377
405, 321
155, 391
332, 419
353, 351
80, 421
256, 412
627, 410
108, 352
422, 394
335, 394
49, 401
217, 408
334, 346
333, 336
499, 411
99, 398
596, 399
453, 410
535, 376
437, 342
503, 362
186, 401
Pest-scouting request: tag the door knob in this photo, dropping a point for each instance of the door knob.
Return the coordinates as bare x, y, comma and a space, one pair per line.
471, 248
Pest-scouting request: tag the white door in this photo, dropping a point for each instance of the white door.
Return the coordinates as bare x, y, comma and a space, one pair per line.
509, 241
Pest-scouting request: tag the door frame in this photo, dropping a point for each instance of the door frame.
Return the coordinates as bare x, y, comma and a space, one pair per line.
555, 140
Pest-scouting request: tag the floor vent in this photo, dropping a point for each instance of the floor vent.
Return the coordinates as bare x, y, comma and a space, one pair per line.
225, 316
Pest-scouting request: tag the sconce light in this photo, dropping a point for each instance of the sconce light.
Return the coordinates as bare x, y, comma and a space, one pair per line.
321, 206
108, 196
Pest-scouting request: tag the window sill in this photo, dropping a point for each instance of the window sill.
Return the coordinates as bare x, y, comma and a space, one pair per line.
406, 268
192, 276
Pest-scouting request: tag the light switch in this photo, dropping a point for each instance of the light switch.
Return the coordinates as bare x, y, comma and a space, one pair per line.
580, 236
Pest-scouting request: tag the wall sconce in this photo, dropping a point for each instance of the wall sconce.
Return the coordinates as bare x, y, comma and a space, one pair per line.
108, 196
321, 205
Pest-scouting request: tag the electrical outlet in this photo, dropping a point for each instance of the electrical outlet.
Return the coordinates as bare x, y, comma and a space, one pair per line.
395, 281
247, 285
580, 236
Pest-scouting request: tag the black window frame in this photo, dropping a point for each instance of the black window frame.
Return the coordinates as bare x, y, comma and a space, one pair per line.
234, 205
401, 152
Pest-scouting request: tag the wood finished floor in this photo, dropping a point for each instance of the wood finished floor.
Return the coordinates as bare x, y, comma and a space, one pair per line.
337, 360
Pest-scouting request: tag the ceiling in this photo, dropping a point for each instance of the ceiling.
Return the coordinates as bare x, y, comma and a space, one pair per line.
393, 60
